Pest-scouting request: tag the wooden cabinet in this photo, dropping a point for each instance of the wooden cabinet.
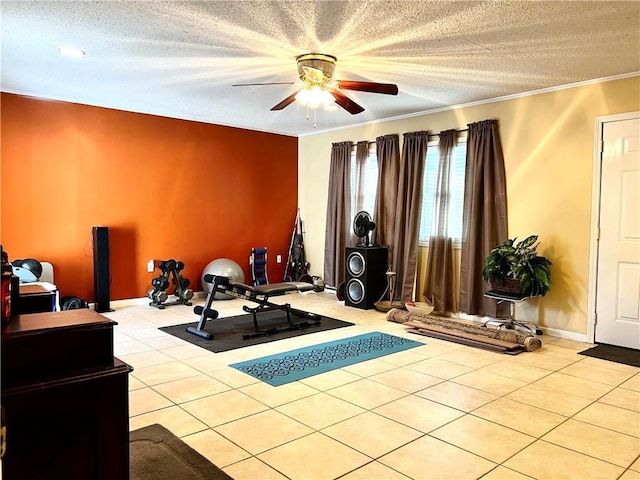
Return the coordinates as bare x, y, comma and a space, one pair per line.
65, 398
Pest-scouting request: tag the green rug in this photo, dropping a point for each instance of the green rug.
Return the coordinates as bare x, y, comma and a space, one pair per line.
293, 365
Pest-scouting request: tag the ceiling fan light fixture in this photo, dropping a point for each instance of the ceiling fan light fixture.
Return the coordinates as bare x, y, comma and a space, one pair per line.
314, 97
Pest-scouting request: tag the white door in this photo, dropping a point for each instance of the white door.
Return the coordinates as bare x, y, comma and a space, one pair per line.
618, 282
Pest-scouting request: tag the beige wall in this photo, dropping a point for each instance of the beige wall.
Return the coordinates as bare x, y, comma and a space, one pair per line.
548, 142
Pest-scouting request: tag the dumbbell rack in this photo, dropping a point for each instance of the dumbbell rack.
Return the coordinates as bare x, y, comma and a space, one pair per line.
158, 294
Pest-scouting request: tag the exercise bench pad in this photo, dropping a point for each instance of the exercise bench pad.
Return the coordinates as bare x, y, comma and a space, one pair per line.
275, 288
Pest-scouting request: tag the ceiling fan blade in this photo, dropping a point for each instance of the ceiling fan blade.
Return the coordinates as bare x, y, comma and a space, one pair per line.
256, 84
373, 87
346, 103
286, 102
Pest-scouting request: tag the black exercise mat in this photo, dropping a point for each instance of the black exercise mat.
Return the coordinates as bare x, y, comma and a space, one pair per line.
157, 454
227, 332
626, 356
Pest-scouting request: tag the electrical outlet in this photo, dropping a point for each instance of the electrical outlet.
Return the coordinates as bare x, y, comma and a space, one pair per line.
278, 258
151, 266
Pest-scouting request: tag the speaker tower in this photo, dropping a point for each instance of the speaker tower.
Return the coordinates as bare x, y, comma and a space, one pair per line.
101, 275
365, 276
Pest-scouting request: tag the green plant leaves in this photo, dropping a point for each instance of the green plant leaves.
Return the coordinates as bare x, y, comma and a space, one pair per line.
520, 261
527, 242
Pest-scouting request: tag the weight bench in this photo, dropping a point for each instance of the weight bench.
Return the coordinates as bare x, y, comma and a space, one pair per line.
259, 294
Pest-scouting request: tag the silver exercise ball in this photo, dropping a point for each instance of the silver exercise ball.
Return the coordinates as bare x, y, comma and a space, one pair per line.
224, 267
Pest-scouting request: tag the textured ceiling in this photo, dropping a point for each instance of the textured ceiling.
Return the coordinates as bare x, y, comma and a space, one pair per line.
180, 59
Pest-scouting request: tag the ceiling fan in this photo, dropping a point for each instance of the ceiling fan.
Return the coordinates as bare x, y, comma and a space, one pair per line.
316, 73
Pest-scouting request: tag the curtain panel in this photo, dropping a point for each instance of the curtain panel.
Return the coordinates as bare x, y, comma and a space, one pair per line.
484, 217
408, 205
439, 287
388, 156
338, 214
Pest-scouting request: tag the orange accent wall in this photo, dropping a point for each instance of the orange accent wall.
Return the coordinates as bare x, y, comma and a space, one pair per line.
166, 188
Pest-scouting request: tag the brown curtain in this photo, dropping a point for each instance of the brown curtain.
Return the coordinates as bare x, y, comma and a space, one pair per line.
484, 216
338, 213
407, 212
388, 156
362, 153
439, 287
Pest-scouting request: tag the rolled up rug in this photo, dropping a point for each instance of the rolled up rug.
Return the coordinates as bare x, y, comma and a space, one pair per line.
507, 341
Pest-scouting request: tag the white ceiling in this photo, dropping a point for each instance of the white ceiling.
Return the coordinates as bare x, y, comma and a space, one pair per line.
180, 59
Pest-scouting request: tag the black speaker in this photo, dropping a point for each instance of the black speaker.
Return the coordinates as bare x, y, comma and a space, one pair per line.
101, 275
365, 276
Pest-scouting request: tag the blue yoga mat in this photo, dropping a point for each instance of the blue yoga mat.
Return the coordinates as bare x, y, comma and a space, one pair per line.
306, 362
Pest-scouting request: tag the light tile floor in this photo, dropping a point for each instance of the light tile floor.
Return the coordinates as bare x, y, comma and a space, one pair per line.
441, 411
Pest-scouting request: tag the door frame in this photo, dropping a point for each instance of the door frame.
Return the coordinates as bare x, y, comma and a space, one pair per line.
592, 287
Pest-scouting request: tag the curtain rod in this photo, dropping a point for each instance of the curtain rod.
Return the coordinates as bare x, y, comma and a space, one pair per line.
431, 135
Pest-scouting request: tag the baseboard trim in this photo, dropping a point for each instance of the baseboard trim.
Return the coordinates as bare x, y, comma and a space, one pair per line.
127, 302
565, 334
130, 302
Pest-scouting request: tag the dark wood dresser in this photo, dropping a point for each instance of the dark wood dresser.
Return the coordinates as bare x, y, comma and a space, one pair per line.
65, 398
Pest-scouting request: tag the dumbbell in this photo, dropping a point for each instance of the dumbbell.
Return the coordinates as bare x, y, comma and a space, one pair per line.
167, 265
187, 294
183, 282
157, 297
160, 283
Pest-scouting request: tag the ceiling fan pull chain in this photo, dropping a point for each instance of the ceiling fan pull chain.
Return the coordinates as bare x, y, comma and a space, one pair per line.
307, 117
315, 117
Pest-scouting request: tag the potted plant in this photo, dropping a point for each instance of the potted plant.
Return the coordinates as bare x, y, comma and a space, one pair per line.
517, 268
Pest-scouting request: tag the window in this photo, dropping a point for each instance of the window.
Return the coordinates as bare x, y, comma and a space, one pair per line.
364, 185
364, 182
456, 192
